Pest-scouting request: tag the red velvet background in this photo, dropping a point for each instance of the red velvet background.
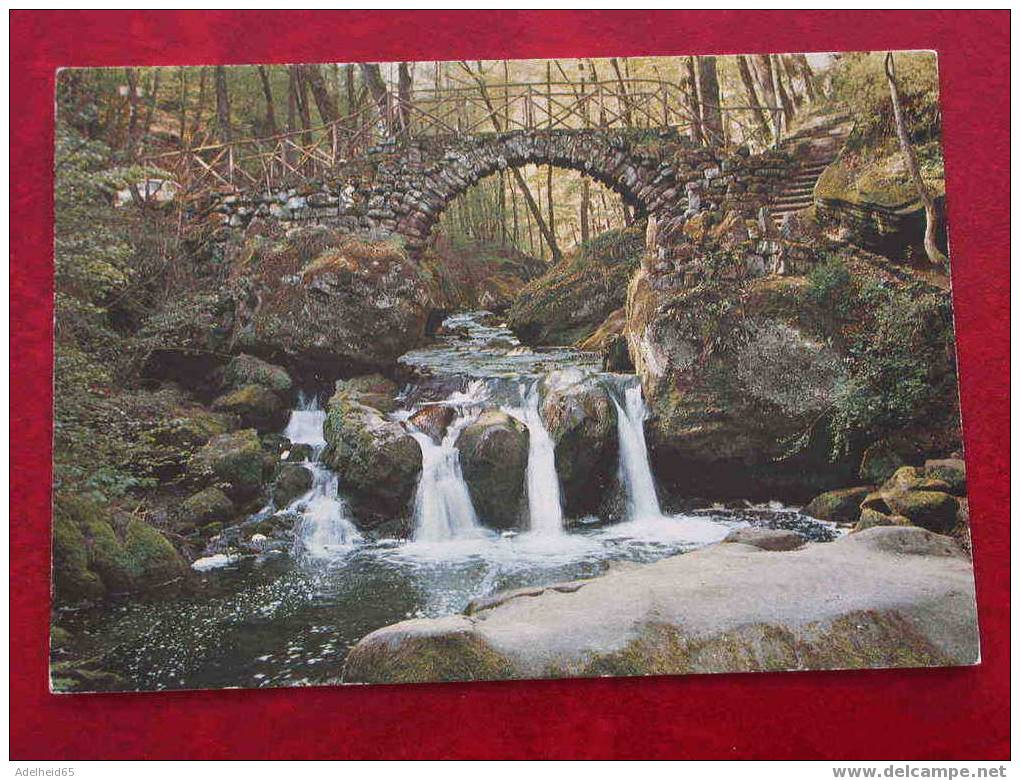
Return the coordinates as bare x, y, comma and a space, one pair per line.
942, 713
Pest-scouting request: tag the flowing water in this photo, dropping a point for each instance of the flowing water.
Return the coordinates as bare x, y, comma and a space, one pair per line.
276, 619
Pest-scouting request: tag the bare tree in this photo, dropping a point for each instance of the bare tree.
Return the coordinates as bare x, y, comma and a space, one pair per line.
784, 97
222, 104
930, 215
267, 92
697, 131
404, 86
760, 115
373, 79
708, 86
324, 101
763, 66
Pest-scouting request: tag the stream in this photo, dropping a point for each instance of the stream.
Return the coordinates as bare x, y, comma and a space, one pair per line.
290, 617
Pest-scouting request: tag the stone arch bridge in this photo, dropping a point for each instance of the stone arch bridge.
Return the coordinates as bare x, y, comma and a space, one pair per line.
402, 188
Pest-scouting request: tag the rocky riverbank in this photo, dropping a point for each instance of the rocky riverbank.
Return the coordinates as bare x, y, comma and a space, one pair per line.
732, 607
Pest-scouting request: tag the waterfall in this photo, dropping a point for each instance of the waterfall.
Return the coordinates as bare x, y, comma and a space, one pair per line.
325, 523
545, 508
635, 471
442, 505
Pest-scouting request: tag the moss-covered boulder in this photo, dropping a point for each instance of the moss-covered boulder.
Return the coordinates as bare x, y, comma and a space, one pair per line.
316, 296
379, 460
569, 302
176, 434
234, 459
839, 506
96, 553
579, 415
929, 509
256, 405
207, 506
494, 461
290, 482
249, 370
871, 518
952, 471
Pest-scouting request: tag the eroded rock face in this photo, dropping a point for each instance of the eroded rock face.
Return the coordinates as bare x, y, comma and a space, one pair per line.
255, 405
379, 460
731, 372
808, 608
494, 459
433, 420
580, 418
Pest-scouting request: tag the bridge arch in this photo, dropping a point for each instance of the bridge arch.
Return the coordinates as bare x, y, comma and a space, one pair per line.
419, 191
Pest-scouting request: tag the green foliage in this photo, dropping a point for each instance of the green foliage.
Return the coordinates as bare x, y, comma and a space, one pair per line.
830, 286
903, 368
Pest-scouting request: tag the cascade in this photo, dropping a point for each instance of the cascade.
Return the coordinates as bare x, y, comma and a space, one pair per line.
325, 523
635, 472
545, 508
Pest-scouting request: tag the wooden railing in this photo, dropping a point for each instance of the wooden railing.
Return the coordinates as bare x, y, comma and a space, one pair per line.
299, 156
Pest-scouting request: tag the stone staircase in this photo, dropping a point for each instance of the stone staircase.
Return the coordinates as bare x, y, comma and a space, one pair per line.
815, 145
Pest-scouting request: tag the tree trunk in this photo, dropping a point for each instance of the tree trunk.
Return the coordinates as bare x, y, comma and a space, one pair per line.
807, 75
380, 94
132, 128
196, 121
697, 131
930, 215
708, 85
301, 102
222, 105
320, 93
267, 92
624, 97
764, 68
760, 115
784, 98
404, 86
790, 69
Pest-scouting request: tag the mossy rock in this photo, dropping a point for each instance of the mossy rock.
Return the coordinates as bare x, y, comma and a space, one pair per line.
881, 459
494, 459
839, 506
929, 509
291, 481
72, 579
951, 471
380, 462
93, 558
235, 459
871, 518
257, 407
249, 370
204, 507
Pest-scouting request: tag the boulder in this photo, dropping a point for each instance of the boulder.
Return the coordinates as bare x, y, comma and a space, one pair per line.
249, 370
207, 506
725, 608
579, 415
291, 481
433, 420
952, 471
234, 459
770, 539
379, 460
872, 518
316, 296
494, 461
928, 509
97, 553
256, 405
298, 453
839, 506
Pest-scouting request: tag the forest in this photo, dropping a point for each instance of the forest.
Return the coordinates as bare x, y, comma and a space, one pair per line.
339, 345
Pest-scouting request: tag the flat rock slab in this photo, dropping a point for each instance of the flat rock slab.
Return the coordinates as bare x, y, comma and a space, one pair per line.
769, 539
885, 597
